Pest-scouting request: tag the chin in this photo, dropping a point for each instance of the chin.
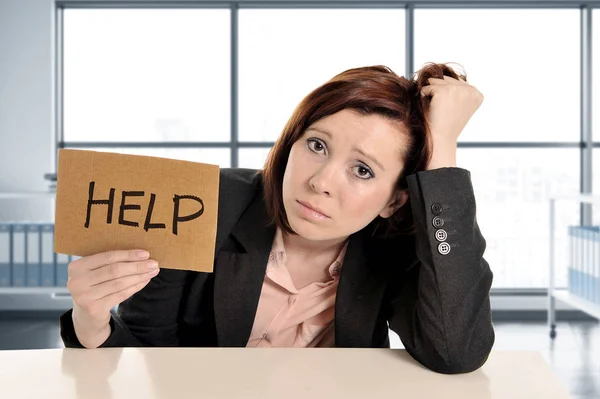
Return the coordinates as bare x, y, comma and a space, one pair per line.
307, 230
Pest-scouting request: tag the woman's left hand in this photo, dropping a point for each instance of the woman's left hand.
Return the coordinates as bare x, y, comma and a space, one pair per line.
452, 105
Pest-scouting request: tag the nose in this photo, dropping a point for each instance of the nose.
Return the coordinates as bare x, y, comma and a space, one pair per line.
318, 186
323, 180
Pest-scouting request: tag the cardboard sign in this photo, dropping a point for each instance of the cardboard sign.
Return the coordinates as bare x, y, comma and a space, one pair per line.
107, 201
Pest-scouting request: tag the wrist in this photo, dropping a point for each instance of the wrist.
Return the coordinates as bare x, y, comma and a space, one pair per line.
442, 160
90, 332
95, 340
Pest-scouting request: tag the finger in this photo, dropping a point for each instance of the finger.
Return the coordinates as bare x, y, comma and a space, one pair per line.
112, 300
436, 81
105, 258
110, 287
450, 79
118, 270
428, 91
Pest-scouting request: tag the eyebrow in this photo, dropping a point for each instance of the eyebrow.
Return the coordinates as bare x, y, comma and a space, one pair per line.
361, 152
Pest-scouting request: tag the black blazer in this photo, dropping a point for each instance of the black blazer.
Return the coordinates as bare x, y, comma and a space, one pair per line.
436, 301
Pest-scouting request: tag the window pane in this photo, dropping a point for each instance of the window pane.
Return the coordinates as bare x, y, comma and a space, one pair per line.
146, 75
253, 158
596, 173
596, 187
595, 74
285, 54
512, 190
213, 156
526, 65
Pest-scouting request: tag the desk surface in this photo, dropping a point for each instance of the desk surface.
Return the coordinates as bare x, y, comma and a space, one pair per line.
264, 373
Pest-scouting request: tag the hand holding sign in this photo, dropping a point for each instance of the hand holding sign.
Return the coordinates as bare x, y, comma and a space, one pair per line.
107, 204
100, 282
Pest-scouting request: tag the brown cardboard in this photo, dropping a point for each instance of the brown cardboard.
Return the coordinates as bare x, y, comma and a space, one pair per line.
185, 245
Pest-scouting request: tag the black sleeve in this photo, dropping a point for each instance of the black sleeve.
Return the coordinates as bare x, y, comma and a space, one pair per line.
148, 318
440, 307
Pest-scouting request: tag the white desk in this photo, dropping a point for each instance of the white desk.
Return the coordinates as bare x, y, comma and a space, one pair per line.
226, 373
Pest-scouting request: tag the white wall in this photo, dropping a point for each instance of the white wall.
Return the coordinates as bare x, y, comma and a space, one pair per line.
26, 105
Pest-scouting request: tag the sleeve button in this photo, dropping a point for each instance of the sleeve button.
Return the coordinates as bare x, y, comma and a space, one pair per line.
444, 248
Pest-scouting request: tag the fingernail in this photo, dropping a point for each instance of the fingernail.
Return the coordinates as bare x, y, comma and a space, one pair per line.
152, 265
143, 254
153, 272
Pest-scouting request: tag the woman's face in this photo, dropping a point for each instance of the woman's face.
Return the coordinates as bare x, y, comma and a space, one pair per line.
346, 165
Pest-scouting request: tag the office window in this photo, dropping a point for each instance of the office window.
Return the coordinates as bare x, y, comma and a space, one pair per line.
213, 156
525, 62
596, 190
512, 190
146, 75
285, 54
515, 67
595, 110
253, 158
596, 173
596, 76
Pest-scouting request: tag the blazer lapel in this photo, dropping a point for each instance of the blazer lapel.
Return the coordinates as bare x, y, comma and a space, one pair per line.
239, 276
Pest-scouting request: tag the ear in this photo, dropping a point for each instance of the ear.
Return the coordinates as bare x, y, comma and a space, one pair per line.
396, 202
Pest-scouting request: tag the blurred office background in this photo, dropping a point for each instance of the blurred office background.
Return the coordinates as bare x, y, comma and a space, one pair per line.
216, 81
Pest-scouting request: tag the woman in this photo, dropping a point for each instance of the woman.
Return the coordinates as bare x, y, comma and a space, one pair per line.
359, 222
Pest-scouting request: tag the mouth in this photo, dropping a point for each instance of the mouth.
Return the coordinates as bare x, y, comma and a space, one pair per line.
312, 212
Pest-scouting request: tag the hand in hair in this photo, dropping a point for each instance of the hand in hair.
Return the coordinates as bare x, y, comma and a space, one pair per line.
453, 103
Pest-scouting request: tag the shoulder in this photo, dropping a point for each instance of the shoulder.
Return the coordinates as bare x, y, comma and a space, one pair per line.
238, 178
238, 188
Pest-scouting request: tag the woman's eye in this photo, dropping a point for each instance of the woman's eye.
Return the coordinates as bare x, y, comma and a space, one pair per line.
364, 172
315, 145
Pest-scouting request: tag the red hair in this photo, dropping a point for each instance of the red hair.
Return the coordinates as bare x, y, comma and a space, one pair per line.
366, 90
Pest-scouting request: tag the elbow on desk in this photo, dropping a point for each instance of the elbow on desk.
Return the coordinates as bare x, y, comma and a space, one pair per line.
460, 366
472, 348
474, 357
463, 358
